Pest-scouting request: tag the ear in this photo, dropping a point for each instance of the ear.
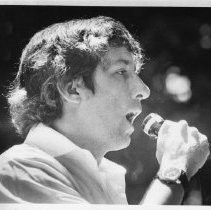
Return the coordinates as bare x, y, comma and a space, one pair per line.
73, 91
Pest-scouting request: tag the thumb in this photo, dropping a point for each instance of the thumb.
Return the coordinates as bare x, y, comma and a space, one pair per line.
184, 129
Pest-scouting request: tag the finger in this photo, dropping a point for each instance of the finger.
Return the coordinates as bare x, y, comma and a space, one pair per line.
164, 131
163, 138
202, 137
183, 125
205, 144
204, 141
194, 133
167, 124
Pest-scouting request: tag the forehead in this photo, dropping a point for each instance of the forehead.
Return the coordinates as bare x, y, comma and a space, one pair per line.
118, 56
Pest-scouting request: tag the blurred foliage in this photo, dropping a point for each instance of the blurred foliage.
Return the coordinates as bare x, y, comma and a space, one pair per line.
169, 36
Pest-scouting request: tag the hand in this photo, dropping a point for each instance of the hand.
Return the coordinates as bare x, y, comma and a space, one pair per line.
181, 146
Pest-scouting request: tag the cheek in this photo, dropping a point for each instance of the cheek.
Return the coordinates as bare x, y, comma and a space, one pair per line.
115, 99
111, 114
112, 108
107, 110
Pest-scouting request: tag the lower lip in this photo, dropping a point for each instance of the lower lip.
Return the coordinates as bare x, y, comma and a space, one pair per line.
130, 130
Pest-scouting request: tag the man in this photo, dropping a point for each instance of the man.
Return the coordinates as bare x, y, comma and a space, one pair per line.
75, 97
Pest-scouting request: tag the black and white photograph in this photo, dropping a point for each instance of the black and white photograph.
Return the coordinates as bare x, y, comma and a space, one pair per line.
105, 104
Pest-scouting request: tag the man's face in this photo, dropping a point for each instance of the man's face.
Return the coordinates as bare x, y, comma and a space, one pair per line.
107, 115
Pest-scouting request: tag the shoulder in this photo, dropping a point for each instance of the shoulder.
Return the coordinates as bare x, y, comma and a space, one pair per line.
26, 155
28, 160
29, 174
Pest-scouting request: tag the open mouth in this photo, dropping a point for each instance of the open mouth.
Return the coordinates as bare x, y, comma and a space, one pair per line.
131, 117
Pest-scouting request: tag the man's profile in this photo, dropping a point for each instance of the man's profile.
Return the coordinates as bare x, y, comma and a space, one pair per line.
75, 97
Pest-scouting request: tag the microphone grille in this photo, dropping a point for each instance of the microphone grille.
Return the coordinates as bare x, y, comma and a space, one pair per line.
151, 124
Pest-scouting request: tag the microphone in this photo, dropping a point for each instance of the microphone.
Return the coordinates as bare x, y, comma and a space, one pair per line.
151, 124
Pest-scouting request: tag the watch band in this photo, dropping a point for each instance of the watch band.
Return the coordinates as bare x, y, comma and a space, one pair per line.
182, 179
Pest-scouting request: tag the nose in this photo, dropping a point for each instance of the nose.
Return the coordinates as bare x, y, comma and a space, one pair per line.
141, 90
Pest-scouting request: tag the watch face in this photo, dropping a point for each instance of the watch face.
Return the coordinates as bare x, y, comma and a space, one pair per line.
171, 174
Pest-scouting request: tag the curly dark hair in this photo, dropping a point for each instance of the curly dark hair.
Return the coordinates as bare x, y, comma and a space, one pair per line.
61, 53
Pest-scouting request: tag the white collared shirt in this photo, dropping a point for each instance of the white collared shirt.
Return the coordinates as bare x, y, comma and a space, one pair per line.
49, 168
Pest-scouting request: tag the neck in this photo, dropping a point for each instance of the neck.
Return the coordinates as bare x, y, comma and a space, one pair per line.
74, 135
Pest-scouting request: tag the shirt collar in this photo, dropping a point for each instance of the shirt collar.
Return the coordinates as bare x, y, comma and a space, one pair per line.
56, 144
49, 140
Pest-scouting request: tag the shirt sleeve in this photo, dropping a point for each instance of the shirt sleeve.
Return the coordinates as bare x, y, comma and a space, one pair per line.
35, 181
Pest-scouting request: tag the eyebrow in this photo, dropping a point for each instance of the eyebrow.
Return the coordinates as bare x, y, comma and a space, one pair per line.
125, 61
128, 62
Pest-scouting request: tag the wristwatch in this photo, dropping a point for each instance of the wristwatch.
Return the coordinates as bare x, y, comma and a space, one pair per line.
172, 176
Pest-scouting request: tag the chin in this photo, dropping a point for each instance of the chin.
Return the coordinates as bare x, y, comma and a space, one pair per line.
127, 143
123, 143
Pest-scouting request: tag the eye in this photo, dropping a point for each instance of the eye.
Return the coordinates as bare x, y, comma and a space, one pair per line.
122, 71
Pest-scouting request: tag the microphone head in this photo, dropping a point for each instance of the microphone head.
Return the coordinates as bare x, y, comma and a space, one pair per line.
151, 124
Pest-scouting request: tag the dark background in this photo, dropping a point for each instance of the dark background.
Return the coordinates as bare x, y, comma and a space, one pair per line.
174, 40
